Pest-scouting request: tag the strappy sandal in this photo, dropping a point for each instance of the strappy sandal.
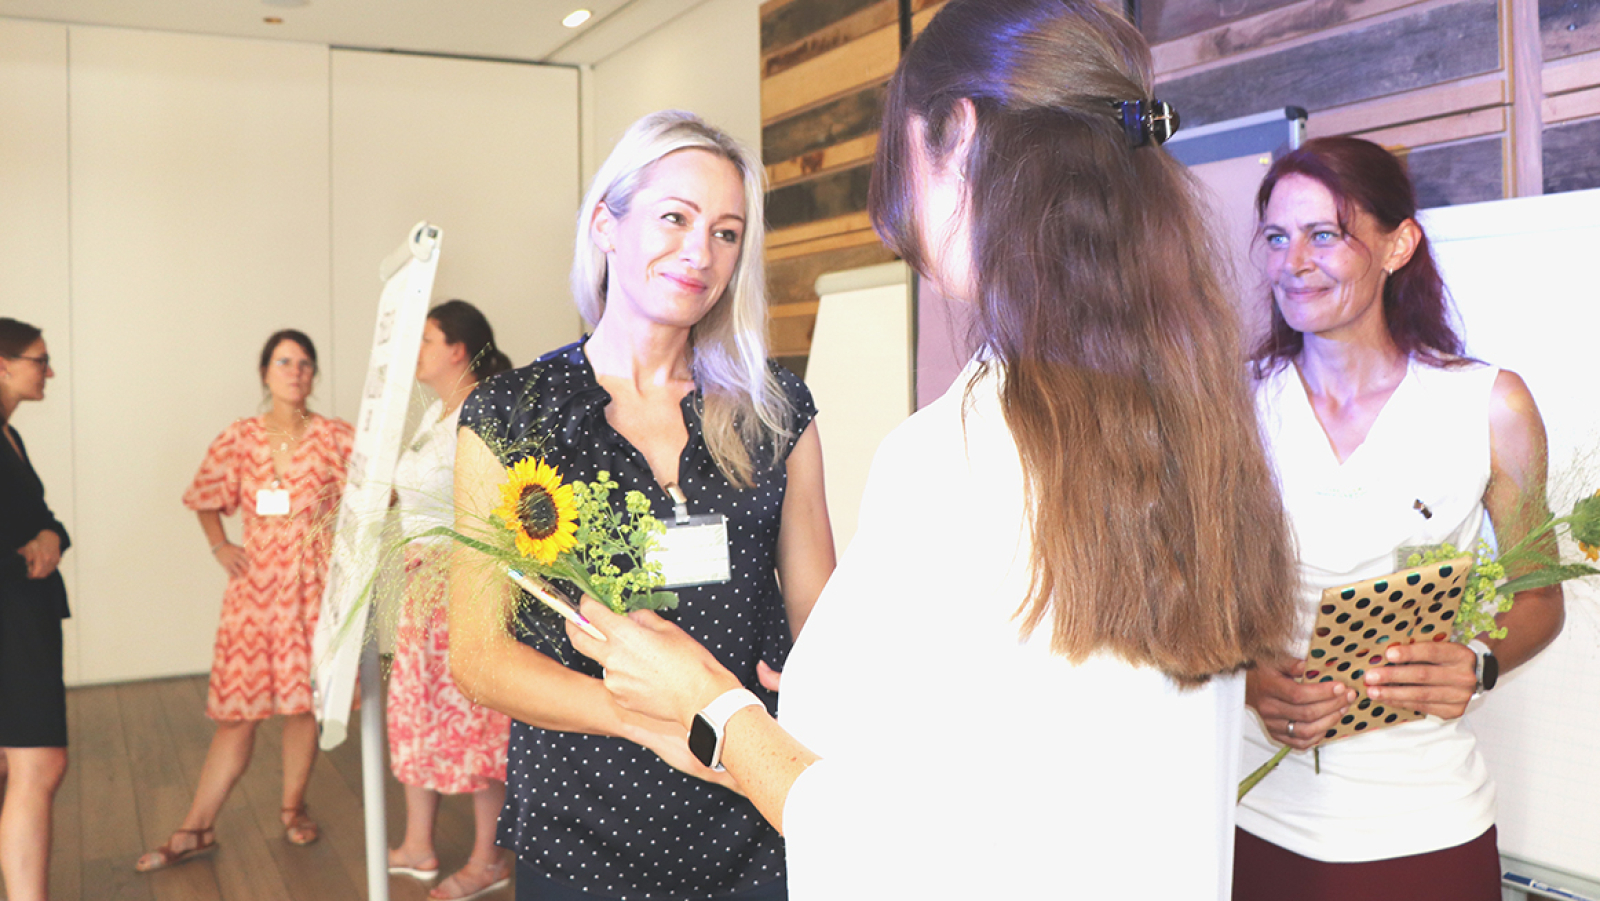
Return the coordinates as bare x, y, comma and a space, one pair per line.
165, 856
301, 829
487, 878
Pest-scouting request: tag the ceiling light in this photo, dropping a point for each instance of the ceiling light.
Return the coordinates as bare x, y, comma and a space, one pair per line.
576, 17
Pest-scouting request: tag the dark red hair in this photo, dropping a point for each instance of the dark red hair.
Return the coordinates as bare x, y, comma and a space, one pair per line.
1362, 175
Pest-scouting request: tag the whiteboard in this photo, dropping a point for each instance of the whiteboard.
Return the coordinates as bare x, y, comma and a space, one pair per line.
859, 374
1522, 277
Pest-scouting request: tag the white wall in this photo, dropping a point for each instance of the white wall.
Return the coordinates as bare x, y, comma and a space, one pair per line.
199, 225
486, 151
707, 61
34, 279
203, 192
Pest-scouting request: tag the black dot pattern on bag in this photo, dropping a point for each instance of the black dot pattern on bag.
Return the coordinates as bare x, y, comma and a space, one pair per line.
1355, 623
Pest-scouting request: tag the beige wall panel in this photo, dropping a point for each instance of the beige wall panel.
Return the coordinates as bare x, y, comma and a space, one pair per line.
489, 153
707, 61
199, 199
34, 278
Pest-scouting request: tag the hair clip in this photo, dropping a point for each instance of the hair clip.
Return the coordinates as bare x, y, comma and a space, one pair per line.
1146, 121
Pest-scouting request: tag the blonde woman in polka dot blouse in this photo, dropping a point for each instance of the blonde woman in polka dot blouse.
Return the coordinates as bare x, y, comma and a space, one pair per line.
672, 389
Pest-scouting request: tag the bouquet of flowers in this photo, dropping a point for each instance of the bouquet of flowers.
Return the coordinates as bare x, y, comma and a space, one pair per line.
545, 529
1536, 558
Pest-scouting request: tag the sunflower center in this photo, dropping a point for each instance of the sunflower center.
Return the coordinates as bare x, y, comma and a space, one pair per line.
537, 510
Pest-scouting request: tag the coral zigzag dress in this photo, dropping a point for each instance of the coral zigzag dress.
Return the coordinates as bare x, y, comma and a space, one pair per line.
262, 663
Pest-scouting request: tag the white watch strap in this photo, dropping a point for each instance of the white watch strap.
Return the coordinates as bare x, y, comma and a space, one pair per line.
1481, 650
719, 711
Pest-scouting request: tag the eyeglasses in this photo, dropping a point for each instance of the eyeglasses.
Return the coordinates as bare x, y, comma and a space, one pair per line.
43, 361
300, 365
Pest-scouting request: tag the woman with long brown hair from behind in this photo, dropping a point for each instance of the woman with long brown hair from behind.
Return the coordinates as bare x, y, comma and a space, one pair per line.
1022, 677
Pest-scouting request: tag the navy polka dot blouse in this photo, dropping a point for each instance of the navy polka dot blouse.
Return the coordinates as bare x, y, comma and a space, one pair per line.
604, 815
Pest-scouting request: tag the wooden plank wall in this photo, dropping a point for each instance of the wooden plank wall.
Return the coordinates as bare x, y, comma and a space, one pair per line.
1487, 98
824, 67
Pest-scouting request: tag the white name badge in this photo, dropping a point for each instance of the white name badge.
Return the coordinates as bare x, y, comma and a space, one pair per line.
272, 502
694, 551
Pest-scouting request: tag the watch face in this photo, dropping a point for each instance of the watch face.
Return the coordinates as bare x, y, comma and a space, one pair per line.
703, 740
1491, 672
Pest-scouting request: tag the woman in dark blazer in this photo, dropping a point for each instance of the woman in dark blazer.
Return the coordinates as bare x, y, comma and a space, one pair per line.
33, 601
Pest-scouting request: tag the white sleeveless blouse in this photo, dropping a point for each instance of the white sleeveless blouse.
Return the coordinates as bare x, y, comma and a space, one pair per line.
1419, 786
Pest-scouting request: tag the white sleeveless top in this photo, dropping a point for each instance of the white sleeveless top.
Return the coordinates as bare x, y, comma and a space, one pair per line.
424, 476
1419, 786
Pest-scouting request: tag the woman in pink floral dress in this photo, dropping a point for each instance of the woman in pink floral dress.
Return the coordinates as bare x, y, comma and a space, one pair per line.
282, 472
439, 742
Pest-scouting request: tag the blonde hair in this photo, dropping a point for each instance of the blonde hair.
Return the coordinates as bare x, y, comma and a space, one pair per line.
744, 407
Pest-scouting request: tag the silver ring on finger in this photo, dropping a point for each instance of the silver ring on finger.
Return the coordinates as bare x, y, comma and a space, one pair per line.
1291, 728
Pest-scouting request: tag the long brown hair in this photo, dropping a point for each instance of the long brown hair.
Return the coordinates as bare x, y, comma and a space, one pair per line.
1362, 175
1158, 533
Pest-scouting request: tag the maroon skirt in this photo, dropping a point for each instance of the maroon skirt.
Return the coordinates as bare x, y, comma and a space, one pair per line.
1263, 871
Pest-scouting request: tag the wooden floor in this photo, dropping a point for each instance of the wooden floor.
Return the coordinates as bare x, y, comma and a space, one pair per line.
135, 755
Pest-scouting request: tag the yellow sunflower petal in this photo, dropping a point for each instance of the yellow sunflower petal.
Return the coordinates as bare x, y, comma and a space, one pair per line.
553, 538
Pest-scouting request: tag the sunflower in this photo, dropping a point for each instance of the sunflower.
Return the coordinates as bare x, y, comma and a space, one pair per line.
539, 510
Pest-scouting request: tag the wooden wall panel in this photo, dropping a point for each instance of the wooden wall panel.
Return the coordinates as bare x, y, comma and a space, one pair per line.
800, 31
1471, 90
1451, 42
810, 134
1463, 172
825, 197
1279, 25
825, 67
1167, 20
1570, 160
1567, 27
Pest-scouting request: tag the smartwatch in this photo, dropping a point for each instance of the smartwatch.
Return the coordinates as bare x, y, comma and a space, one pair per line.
710, 724
1488, 667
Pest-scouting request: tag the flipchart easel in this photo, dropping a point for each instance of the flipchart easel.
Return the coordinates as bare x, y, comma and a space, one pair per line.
342, 644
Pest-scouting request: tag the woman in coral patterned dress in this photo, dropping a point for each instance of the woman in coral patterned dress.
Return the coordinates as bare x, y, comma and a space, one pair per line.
439, 742
282, 473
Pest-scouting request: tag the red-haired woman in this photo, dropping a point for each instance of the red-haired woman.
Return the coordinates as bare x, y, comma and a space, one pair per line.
1386, 438
1023, 679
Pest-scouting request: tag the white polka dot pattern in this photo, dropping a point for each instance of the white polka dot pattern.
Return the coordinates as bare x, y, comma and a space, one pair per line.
602, 814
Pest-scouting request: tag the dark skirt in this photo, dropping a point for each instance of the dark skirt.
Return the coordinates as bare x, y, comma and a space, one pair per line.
1467, 872
33, 697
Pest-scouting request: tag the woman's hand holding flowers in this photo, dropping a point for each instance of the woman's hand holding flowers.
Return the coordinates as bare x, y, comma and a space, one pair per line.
652, 667
654, 670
